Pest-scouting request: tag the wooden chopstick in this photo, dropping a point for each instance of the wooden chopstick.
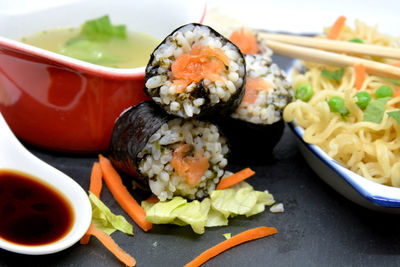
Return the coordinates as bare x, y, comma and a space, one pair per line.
334, 59
334, 45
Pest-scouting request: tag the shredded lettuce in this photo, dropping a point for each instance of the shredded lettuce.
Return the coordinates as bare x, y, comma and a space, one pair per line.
227, 235
240, 199
216, 218
179, 211
107, 221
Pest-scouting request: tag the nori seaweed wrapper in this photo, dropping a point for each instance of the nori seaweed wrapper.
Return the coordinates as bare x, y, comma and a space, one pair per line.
251, 142
131, 133
208, 110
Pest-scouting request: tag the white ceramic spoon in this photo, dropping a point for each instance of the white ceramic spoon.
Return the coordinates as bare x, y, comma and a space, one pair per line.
14, 156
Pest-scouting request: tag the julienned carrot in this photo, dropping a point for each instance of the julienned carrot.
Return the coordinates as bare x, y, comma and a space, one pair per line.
396, 64
360, 74
96, 182
336, 28
95, 186
397, 93
121, 194
238, 239
110, 244
235, 178
85, 239
152, 199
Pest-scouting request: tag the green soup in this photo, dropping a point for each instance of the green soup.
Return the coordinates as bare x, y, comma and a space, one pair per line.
129, 51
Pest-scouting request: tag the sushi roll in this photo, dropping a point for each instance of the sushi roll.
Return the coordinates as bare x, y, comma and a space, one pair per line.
196, 72
267, 92
250, 43
169, 155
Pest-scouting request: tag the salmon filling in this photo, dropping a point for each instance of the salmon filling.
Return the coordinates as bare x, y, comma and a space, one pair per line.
191, 167
194, 71
246, 41
184, 158
202, 62
252, 87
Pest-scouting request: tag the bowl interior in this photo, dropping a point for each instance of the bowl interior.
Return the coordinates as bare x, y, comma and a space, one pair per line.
156, 18
351, 185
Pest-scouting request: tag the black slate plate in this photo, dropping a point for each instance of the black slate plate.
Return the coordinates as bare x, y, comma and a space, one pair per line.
318, 228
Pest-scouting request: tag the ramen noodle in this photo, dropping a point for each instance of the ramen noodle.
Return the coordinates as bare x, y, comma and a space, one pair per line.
369, 148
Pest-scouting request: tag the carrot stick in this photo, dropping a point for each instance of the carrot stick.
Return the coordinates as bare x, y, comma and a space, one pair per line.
396, 64
95, 186
121, 194
238, 239
110, 244
235, 178
95, 180
361, 74
336, 28
85, 239
152, 199
397, 93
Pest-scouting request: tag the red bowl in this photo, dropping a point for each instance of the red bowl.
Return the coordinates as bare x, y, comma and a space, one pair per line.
64, 104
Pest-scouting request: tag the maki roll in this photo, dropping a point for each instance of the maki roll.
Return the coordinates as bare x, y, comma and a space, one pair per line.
196, 72
171, 156
250, 43
266, 95
267, 92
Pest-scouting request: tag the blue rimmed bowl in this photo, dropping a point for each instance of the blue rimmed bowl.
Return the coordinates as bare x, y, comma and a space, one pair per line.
349, 184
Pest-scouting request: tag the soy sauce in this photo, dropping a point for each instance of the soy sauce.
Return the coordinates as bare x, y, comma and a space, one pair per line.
31, 212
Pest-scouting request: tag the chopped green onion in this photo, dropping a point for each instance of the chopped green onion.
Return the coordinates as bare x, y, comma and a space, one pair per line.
395, 115
363, 99
356, 40
375, 110
335, 75
394, 81
384, 91
304, 92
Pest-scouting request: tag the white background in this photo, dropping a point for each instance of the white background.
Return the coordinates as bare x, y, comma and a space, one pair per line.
307, 16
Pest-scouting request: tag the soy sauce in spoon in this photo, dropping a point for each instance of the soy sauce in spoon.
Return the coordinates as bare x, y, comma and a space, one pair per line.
32, 213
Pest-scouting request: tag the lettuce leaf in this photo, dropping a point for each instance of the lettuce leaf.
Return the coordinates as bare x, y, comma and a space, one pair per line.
240, 199
90, 46
100, 29
107, 221
90, 51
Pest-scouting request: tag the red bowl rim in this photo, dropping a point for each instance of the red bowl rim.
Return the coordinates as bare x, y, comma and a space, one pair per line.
90, 68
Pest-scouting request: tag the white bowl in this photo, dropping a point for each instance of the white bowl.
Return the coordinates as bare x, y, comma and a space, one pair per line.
15, 157
351, 185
